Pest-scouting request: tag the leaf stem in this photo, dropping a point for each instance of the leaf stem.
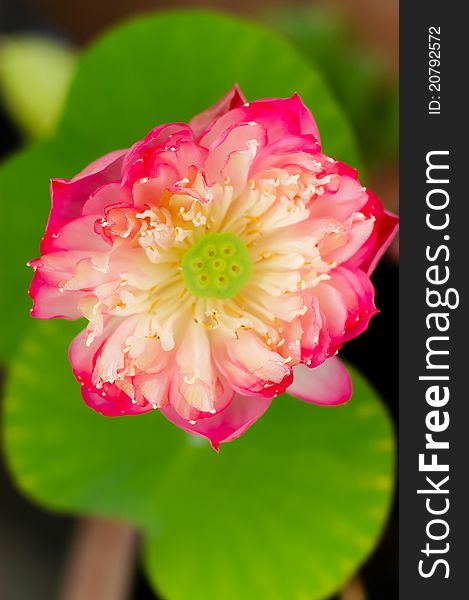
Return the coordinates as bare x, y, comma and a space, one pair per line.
100, 562
354, 590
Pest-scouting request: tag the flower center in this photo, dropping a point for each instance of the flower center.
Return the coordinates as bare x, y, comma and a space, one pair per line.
217, 266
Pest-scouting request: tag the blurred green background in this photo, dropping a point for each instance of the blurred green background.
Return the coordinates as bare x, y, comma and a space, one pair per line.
353, 48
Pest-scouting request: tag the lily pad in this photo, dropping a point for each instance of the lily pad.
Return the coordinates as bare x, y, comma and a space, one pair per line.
289, 510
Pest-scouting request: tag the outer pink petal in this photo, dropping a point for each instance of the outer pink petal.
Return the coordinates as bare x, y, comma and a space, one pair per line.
353, 241
101, 165
316, 340
112, 402
171, 144
69, 196
82, 357
160, 136
280, 117
232, 99
49, 303
349, 198
387, 229
226, 425
346, 302
328, 384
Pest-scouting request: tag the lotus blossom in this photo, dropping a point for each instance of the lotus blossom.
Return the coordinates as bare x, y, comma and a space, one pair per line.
219, 263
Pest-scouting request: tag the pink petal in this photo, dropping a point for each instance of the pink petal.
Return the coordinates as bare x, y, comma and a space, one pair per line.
108, 195
352, 242
165, 166
49, 303
300, 150
250, 366
316, 340
109, 400
226, 425
349, 198
280, 117
103, 165
78, 234
328, 384
82, 356
148, 190
171, 144
69, 196
346, 302
197, 389
234, 153
232, 99
112, 402
387, 229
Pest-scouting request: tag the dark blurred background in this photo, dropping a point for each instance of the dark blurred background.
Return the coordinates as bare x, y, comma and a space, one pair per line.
354, 43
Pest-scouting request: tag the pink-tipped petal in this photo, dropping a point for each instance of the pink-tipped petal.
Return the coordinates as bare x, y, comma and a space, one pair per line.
108, 165
232, 99
226, 425
50, 303
251, 368
113, 402
111, 194
231, 158
328, 384
280, 117
347, 304
69, 196
387, 229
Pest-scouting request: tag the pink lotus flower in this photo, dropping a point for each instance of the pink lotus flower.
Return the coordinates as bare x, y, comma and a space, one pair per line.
219, 263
